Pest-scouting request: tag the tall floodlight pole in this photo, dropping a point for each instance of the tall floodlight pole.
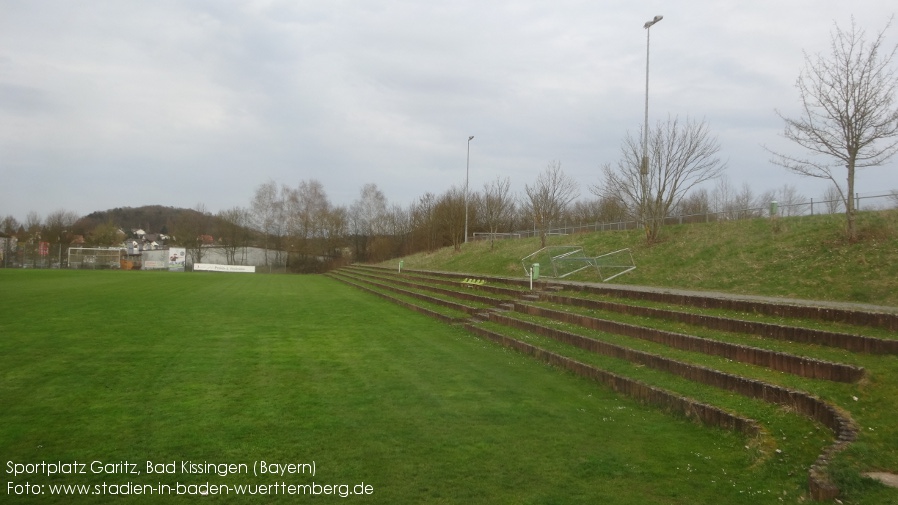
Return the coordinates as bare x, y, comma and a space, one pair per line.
644, 166
467, 171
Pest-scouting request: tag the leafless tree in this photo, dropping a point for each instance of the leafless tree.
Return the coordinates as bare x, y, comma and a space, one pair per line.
33, 224
681, 156
450, 214
790, 201
496, 205
722, 196
832, 198
190, 228
336, 227
233, 231
267, 210
849, 119
549, 198
426, 228
398, 228
8, 227
597, 210
367, 220
759, 206
697, 203
58, 229
742, 203
306, 209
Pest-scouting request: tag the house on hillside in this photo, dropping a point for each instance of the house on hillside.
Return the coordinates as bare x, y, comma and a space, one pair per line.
152, 241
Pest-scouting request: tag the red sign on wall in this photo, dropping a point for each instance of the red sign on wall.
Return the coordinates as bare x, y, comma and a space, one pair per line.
44, 248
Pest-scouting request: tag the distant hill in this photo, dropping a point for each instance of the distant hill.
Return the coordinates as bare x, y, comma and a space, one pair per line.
149, 218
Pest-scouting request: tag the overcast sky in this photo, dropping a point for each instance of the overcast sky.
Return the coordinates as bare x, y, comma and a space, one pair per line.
121, 103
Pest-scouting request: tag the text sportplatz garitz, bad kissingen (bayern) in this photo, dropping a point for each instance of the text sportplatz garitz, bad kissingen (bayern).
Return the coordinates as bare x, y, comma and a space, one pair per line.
257, 468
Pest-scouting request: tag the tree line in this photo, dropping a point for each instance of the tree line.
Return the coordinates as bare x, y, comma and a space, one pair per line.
299, 225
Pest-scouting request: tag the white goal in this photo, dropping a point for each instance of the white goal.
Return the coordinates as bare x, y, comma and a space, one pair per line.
562, 261
94, 258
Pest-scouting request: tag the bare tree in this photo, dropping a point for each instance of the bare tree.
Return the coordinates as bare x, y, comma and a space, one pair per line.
8, 227
190, 230
496, 205
848, 113
335, 229
400, 225
832, 198
58, 229
549, 198
697, 203
367, 220
267, 211
681, 156
791, 202
307, 208
426, 228
233, 232
741, 203
722, 197
450, 215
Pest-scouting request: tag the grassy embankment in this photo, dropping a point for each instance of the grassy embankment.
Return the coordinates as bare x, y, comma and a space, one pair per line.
802, 257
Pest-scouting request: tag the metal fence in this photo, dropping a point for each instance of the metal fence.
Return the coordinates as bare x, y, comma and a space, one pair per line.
808, 208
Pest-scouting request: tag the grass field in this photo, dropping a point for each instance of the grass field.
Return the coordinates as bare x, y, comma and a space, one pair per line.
238, 369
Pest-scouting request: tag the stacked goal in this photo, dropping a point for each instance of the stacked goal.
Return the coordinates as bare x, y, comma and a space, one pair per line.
563, 261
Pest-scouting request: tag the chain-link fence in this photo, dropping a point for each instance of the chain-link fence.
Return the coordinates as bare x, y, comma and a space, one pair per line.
879, 201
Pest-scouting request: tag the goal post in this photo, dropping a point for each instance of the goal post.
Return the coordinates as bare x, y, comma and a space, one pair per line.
564, 261
94, 258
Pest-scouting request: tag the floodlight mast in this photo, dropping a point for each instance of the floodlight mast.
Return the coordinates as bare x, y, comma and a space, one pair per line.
644, 165
467, 171
645, 141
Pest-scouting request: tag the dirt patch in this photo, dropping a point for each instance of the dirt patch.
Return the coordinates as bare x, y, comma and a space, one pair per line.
889, 479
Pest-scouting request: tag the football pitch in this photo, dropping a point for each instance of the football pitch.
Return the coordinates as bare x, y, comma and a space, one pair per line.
142, 387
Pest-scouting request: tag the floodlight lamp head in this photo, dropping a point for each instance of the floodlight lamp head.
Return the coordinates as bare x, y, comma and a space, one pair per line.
470, 138
648, 24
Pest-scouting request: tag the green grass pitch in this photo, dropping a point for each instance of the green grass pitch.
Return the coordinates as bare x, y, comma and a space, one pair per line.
103, 368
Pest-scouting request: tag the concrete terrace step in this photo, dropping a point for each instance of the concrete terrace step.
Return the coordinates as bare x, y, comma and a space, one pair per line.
874, 316
851, 342
489, 287
467, 309
838, 422
780, 361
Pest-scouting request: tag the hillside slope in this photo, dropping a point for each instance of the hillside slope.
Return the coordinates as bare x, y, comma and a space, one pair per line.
800, 257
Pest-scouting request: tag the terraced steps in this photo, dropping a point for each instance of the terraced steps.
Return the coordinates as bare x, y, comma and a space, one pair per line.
847, 341
784, 362
508, 303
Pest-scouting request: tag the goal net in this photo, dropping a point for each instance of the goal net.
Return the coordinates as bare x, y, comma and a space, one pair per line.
94, 258
562, 261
